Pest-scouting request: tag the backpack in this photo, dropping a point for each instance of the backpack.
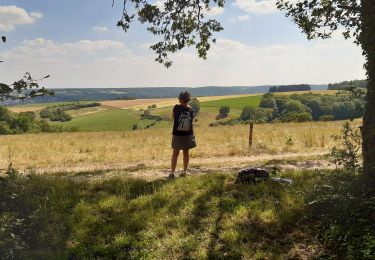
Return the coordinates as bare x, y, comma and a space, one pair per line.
184, 121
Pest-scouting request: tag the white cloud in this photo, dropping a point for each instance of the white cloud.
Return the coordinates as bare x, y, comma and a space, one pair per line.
11, 16
257, 6
242, 17
160, 4
100, 28
214, 11
111, 64
36, 15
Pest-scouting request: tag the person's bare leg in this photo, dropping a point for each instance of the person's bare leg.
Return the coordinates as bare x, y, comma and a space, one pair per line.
186, 160
174, 160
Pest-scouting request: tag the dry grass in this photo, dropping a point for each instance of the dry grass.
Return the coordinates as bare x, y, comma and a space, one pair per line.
24, 109
152, 146
123, 104
162, 102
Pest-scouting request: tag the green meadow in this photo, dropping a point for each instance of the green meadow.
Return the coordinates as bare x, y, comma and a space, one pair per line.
109, 120
238, 103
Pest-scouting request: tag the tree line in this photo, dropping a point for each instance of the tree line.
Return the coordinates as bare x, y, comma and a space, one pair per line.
301, 108
24, 122
58, 113
289, 88
347, 85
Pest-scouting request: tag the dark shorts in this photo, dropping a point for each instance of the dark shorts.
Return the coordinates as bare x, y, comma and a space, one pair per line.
183, 142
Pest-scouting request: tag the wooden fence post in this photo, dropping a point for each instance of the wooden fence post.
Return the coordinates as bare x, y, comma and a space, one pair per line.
251, 134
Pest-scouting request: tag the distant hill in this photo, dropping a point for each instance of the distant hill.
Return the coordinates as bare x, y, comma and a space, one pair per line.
76, 94
288, 88
348, 84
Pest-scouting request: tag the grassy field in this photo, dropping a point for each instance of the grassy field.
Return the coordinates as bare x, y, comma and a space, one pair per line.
90, 150
199, 217
238, 103
107, 120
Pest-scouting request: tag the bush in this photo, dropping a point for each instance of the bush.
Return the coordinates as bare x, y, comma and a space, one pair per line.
327, 118
224, 111
297, 117
45, 113
5, 114
315, 106
267, 103
135, 127
348, 154
4, 128
293, 106
58, 114
268, 95
263, 115
247, 113
195, 105
146, 112
25, 123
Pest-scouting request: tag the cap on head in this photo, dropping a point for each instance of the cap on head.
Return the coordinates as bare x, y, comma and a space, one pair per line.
184, 96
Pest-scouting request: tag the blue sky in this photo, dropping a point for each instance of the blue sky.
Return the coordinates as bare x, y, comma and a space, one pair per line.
78, 44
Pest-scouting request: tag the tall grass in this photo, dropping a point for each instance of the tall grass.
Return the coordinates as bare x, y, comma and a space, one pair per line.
152, 146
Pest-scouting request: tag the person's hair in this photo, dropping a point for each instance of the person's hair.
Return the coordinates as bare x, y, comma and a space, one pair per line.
185, 96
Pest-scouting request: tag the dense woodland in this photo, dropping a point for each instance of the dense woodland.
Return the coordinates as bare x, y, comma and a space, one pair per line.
346, 85
301, 108
288, 88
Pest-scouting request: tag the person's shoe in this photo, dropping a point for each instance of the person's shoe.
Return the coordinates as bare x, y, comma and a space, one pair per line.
183, 174
170, 176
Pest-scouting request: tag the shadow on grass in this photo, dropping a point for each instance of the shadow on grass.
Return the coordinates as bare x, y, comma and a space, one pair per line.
207, 216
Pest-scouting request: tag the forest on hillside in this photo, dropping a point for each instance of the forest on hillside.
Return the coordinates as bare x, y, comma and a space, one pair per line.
346, 85
301, 108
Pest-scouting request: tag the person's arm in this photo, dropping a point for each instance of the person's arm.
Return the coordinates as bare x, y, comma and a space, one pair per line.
192, 113
174, 112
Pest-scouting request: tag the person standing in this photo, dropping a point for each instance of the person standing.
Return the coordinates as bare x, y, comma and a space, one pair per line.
183, 137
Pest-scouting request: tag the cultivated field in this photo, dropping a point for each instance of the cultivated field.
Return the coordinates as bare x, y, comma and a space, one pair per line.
165, 102
135, 103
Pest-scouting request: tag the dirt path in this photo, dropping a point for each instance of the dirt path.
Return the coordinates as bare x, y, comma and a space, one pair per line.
153, 169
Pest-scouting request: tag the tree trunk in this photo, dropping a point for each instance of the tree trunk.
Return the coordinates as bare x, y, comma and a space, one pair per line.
367, 39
